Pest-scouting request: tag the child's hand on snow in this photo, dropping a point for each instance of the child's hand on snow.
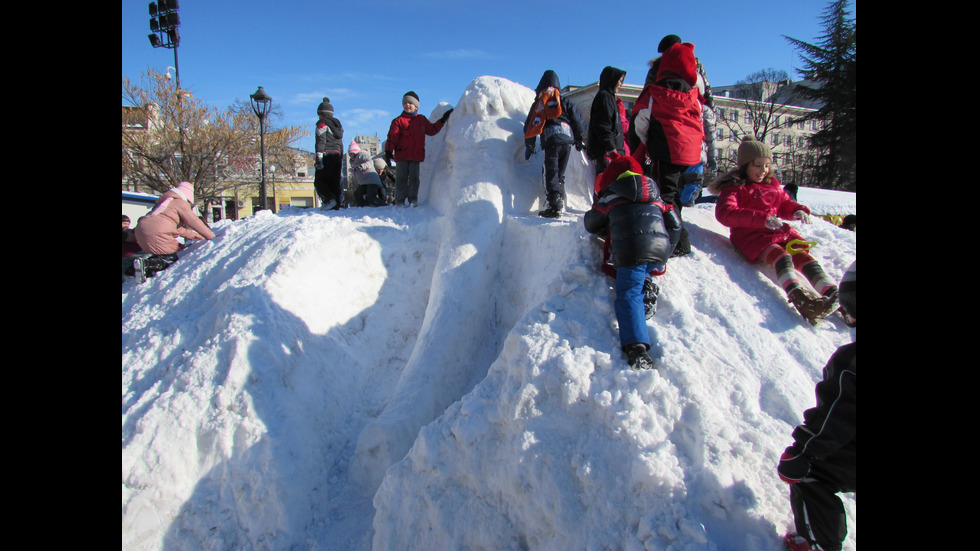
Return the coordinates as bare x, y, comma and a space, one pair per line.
802, 216
774, 223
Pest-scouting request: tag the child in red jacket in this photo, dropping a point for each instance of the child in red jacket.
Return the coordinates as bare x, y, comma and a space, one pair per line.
753, 203
406, 145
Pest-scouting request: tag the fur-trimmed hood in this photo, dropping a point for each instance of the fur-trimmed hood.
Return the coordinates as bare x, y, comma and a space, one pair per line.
730, 178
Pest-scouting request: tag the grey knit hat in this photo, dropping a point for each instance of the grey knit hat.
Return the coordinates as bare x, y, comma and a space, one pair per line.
412, 98
325, 108
751, 149
848, 290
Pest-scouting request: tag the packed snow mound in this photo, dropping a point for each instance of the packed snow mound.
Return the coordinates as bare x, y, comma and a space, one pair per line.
462, 359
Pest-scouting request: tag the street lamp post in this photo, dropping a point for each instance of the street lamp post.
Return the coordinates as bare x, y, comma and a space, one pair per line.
261, 103
275, 200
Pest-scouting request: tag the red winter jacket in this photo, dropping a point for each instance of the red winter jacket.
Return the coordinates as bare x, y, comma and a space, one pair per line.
744, 207
406, 137
675, 131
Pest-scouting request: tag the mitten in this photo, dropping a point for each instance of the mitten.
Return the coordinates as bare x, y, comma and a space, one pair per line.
579, 146
793, 465
388, 158
528, 151
319, 161
802, 216
445, 116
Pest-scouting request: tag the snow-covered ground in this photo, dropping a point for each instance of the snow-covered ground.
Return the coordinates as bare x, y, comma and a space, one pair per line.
449, 376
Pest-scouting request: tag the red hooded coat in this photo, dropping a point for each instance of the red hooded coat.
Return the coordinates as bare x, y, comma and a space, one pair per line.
745, 207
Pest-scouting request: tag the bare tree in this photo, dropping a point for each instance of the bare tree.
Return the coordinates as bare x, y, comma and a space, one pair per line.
763, 96
184, 139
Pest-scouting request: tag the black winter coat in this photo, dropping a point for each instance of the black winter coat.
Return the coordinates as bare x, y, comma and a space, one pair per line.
630, 211
605, 130
829, 431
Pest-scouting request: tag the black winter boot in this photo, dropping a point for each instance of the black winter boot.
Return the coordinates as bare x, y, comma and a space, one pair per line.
650, 292
636, 356
555, 206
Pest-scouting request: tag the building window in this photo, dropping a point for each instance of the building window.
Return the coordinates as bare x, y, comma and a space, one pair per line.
733, 116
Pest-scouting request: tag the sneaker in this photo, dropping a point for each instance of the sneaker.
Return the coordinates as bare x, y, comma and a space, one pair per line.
650, 292
796, 542
139, 270
637, 357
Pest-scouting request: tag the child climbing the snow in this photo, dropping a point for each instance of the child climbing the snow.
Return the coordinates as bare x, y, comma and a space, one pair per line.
171, 217
370, 192
406, 145
821, 462
753, 204
639, 231
557, 136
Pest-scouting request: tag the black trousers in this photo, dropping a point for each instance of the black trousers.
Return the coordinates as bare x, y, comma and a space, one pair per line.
326, 180
668, 177
817, 511
555, 161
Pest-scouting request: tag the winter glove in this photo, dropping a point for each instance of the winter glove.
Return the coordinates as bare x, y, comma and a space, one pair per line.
802, 216
445, 116
528, 151
793, 465
579, 146
319, 161
388, 158
774, 223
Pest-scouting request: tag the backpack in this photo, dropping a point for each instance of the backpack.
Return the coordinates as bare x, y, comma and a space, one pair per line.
547, 107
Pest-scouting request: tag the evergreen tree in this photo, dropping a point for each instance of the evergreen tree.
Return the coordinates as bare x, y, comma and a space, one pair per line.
832, 64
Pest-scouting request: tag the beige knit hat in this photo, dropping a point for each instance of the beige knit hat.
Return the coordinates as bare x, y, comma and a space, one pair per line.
751, 149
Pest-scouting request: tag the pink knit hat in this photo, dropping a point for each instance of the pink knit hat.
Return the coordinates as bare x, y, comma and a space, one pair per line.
186, 190
354, 148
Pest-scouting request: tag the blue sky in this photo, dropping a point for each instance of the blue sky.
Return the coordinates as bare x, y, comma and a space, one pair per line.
365, 55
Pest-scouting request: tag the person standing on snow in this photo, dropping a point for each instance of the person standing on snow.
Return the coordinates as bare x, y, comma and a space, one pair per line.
822, 460
640, 231
329, 155
557, 137
406, 145
605, 135
668, 122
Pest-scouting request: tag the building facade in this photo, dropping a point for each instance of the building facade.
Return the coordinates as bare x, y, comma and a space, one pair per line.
770, 111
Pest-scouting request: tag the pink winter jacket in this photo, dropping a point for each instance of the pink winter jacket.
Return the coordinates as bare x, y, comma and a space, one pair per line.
744, 207
172, 217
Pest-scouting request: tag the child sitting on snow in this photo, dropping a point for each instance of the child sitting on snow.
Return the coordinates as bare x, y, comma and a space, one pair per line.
821, 462
752, 203
370, 191
641, 232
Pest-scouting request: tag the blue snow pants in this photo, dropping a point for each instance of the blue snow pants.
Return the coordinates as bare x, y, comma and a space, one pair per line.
629, 304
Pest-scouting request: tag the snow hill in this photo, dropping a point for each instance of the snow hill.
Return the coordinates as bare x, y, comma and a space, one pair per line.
449, 377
